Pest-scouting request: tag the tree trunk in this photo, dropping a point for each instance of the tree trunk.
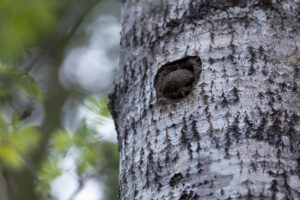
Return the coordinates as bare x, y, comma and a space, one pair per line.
3, 190
234, 133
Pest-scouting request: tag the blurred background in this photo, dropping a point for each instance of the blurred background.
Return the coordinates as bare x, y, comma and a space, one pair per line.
58, 60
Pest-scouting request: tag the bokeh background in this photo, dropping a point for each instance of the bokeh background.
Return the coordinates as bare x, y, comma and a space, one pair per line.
58, 60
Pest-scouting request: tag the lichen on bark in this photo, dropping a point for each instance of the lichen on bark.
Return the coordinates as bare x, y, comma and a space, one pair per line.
294, 60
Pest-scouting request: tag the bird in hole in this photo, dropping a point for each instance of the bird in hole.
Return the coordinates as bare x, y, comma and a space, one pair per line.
178, 84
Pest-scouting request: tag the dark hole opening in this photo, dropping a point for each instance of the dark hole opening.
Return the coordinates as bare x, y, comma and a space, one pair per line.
175, 80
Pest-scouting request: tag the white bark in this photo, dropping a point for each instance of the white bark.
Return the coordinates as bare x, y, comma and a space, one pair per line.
237, 134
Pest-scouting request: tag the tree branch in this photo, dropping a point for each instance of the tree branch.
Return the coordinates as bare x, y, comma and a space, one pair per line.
64, 32
78, 189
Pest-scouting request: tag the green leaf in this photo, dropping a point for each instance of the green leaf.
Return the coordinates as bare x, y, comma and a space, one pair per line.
14, 82
98, 105
24, 140
87, 160
15, 142
84, 135
23, 23
10, 156
48, 172
62, 141
44, 187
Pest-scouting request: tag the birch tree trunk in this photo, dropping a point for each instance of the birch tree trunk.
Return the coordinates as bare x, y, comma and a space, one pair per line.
235, 132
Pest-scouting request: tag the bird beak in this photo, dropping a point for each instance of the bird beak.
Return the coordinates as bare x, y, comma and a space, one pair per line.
183, 94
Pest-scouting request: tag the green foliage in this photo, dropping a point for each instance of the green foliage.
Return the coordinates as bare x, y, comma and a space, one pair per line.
109, 161
14, 82
62, 142
48, 172
108, 154
98, 105
90, 155
23, 23
88, 151
16, 142
87, 160
16, 139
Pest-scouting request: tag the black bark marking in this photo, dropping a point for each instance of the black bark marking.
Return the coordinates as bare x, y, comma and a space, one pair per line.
189, 132
265, 4
224, 102
222, 192
274, 188
198, 10
186, 195
201, 9
175, 80
230, 3
252, 59
233, 96
176, 179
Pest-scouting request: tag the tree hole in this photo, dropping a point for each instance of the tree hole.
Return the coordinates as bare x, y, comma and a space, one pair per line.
175, 80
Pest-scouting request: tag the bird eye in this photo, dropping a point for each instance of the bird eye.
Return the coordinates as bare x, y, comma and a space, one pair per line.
188, 84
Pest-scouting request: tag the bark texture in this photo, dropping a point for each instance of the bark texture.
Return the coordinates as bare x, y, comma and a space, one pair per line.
236, 135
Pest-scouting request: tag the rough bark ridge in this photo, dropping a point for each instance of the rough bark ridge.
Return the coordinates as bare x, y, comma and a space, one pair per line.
236, 135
